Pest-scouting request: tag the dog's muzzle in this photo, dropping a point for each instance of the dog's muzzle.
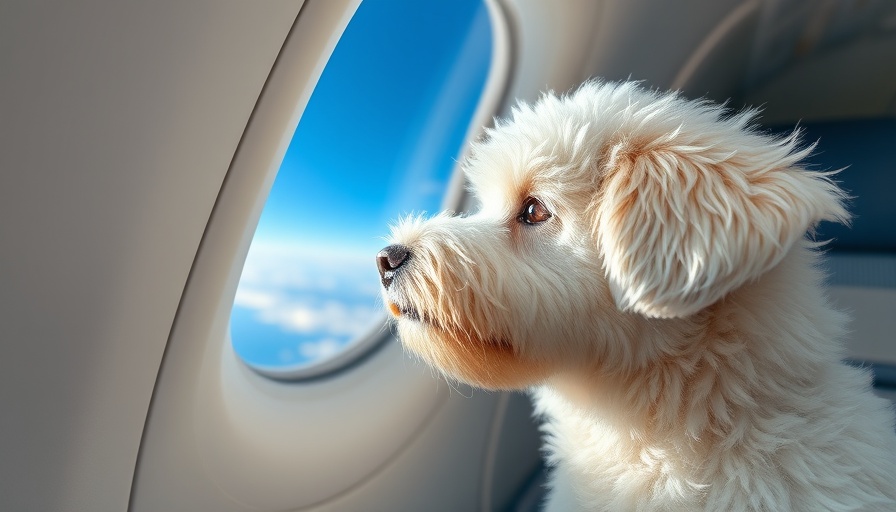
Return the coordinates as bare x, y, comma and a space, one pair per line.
389, 260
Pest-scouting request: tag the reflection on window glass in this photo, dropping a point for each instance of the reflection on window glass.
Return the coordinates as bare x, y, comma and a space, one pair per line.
379, 137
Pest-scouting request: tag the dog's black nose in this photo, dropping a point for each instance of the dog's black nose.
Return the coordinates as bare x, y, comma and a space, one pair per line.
389, 260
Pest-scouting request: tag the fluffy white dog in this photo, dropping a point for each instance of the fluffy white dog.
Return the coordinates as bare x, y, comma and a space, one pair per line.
640, 262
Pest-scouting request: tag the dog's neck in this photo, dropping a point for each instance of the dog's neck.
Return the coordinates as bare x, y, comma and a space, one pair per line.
728, 365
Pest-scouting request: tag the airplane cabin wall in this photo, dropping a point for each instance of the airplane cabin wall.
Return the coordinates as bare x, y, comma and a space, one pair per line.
118, 121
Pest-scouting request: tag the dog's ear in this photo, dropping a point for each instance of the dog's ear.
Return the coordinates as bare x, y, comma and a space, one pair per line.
682, 220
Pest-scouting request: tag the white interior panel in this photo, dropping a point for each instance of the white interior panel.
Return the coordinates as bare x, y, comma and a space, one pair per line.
857, 80
652, 41
119, 121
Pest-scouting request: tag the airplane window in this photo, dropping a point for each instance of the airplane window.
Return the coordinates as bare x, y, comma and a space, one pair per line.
379, 137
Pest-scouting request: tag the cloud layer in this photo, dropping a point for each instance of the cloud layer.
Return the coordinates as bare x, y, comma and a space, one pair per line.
318, 300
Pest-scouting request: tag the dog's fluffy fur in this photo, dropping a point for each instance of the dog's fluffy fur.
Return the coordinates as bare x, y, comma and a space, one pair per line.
669, 315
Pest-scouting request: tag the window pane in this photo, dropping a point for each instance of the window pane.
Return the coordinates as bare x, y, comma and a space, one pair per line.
379, 137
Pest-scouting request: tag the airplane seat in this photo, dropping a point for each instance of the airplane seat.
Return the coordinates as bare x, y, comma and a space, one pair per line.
864, 151
861, 257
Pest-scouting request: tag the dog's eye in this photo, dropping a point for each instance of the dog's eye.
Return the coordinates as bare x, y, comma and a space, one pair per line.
533, 212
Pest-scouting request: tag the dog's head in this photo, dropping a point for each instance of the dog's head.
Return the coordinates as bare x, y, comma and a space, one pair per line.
601, 212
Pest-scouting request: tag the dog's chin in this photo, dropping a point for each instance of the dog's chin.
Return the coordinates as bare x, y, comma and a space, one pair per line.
490, 363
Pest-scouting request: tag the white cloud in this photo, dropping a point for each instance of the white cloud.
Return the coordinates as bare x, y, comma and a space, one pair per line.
331, 318
287, 267
295, 318
326, 298
319, 350
254, 299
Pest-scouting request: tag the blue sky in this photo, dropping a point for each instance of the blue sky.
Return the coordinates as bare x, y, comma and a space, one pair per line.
359, 140
378, 138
